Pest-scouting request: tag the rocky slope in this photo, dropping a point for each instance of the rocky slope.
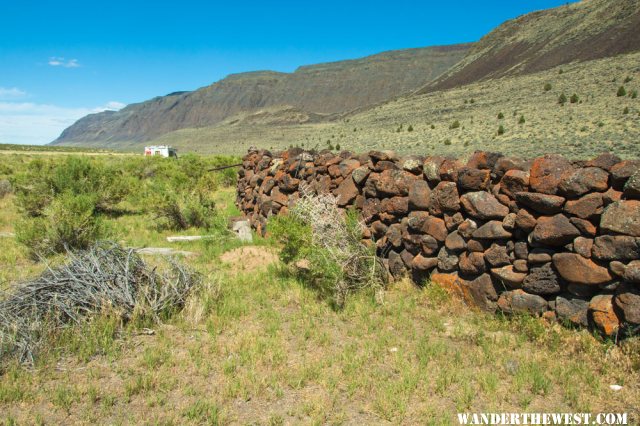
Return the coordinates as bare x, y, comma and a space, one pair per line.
590, 29
316, 89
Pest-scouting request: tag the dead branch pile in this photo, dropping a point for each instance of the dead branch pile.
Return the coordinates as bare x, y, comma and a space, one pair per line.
104, 277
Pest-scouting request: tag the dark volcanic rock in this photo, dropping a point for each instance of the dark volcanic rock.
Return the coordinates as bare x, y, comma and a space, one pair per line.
492, 230
542, 203
622, 217
444, 198
471, 179
616, 247
580, 181
542, 280
519, 302
483, 205
577, 269
572, 309
546, 173
419, 195
627, 300
554, 231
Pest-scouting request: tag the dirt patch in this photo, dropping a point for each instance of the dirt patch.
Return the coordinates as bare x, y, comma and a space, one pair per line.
249, 258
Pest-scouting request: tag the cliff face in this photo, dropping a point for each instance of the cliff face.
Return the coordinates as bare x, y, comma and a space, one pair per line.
583, 31
324, 88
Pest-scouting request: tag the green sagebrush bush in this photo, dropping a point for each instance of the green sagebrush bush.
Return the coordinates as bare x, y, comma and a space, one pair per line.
69, 222
179, 210
339, 263
44, 181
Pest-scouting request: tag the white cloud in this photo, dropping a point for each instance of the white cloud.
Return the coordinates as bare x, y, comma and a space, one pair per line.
32, 123
11, 93
58, 61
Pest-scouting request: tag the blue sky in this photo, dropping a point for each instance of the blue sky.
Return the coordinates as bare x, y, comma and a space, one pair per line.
60, 60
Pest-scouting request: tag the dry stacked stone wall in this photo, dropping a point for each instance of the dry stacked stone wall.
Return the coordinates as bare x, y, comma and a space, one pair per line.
547, 236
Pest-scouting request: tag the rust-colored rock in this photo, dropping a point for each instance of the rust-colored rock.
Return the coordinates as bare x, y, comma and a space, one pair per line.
484, 160
507, 276
520, 302
492, 230
541, 203
435, 227
577, 182
424, 263
572, 309
483, 205
397, 206
585, 227
346, 192
449, 169
546, 173
605, 161
585, 207
602, 315
497, 255
472, 263
616, 247
577, 269
632, 272
622, 171
444, 198
480, 292
583, 246
471, 179
515, 181
627, 301
554, 231
419, 195
525, 220
622, 217
455, 242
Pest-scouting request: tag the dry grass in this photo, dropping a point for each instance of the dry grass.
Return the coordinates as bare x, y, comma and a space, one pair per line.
266, 351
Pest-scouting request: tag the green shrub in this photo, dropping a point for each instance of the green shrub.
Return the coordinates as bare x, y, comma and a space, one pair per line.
574, 99
43, 181
69, 222
634, 94
501, 130
317, 231
447, 141
562, 99
500, 116
521, 120
627, 79
410, 128
621, 91
626, 110
433, 126
179, 211
547, 87
455, 125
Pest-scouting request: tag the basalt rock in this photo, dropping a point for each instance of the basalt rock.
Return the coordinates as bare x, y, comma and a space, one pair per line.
546, 236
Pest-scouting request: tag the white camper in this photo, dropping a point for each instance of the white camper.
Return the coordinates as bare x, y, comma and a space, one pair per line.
161, 150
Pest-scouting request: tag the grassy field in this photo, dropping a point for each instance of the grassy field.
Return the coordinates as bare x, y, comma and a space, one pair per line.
258, 345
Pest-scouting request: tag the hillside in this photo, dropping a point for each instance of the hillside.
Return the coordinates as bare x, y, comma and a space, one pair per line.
590, 29
328, 88
596, 122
